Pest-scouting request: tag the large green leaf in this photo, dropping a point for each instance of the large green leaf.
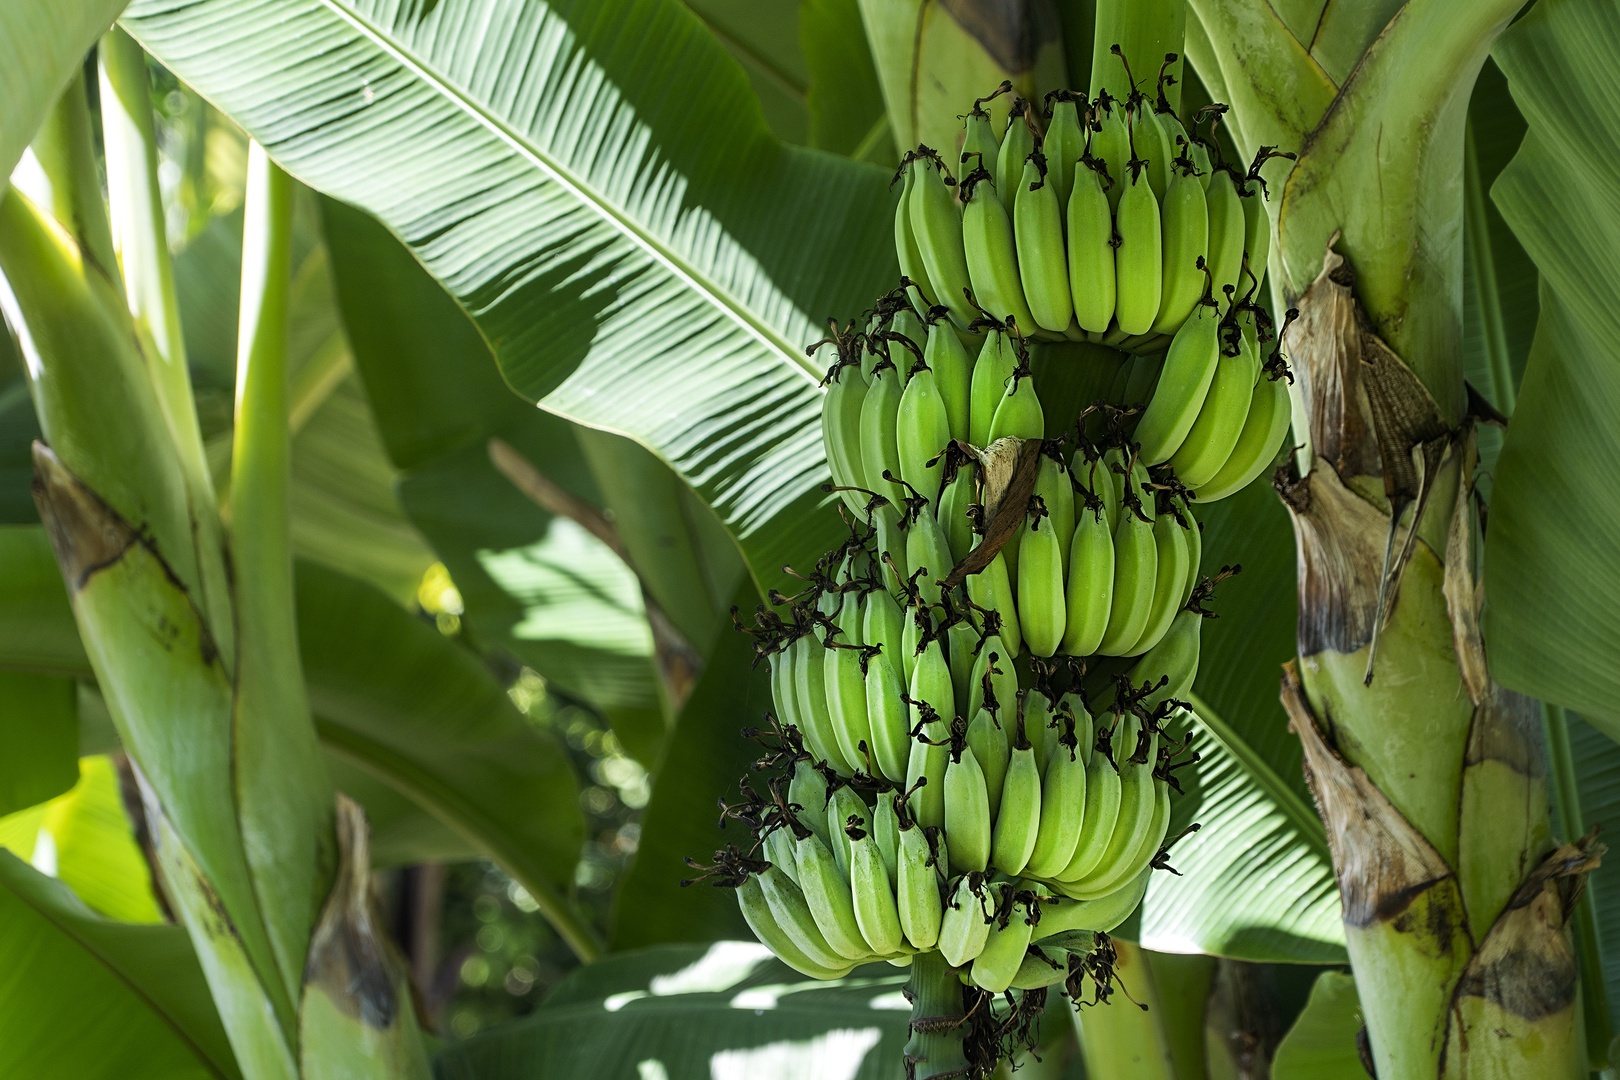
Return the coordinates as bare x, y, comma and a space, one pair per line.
764, 40
42, 44
1552, 616
1322, 1043
1597, 771
94, 999
40, 718
847, 114
642, 254
690, 1012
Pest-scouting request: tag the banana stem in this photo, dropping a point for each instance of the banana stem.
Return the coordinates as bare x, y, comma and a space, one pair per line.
1124, 1037
1146, 31
66, 152
1482, 262
937, 1021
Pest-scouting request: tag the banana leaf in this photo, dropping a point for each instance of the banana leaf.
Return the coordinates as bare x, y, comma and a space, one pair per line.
42, 45
39, 715
1322, 1043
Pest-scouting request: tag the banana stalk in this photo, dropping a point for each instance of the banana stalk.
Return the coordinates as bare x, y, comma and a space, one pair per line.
1123, 1036
938, 1023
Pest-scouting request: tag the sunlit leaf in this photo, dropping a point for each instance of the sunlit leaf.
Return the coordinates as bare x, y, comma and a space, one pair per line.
42, 44
92, 847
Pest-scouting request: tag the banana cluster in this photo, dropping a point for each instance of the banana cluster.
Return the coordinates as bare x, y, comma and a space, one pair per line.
1103, 221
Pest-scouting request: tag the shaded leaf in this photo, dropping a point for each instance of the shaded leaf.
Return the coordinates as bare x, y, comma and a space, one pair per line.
847, 114
39, 716
643, 255
1597, 772
1552, 616
90, 998
684, 1012
764, 40
1322, 1043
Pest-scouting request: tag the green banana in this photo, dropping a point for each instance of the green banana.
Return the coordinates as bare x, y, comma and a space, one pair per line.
1227, 232
1103, 794
917, 886
809, 671
910, 326
992, 588
1189, 368
883, 625
967, 812
1195, 549
841, 433
872, 894
886, 716
1063, 805
965, 925
1019, 414
1138, 278
993, 664
1090, 228
1153, 139
1056, 489
1139, 859
1186, 241
1220, 422
779, 850
1040, 726
1270, 413
962, 639
808, 791
775, 911
992, 379
928, 550
1042, 616
1173, 565
880, 417
992, 262
846, 685
953, 374
1064, 145
1040, 969
1256, 231
1071, 708
1135, 568
1111, 145
886, 831
1004, 948
1018, 821
1174, 658
953, 517
923, 428
988, 741
1017, 143
930, 749
1062, 915
1038, 241
844, 808
1136, 807
784, 690
1089, 587
980, 144
905, 237
936, 221
827, 894
1199, 153
891, 541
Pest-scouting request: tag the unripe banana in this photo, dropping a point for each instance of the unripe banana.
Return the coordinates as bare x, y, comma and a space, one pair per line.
844, 808
1041, 969
891, 541
992, 379
980, 143
1103, 792
826, 893
1056, 490
1064, 146
1109, 482
883, 624
923, 428
1174, 658
1153, 143
1018, 822
967, 813
1038, 240
1042, 616
1089, 587
886, 831
809, 670
992, 588
1071, 709
1063, 805
905, 238
1135, 568
1172, 566
784, 690
988, 741
917, 887
872, 894
1111, 145
1186, 240
880, 448
929, 751
1004, 948
1090, 228
1139, 859
1019, 415
1199, 153
1017, 142
1220, 422
1063, 915
1270, 414
962, 640
1189, 368
909, 325
1256, 233
776, 912
987, 239
1195, 546
1227, 232
992, 661
928, 550
1136, 807
841, 433
886, 716
779, 850
1040, 726
808, 791
965, 925
1138, 278
953, 374
953, 518
936, 221
846, 685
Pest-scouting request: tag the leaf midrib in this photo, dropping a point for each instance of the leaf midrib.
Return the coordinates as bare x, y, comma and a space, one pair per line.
700, 282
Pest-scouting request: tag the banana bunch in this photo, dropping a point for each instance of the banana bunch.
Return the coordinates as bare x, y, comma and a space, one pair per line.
1102, 221
1045, 824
